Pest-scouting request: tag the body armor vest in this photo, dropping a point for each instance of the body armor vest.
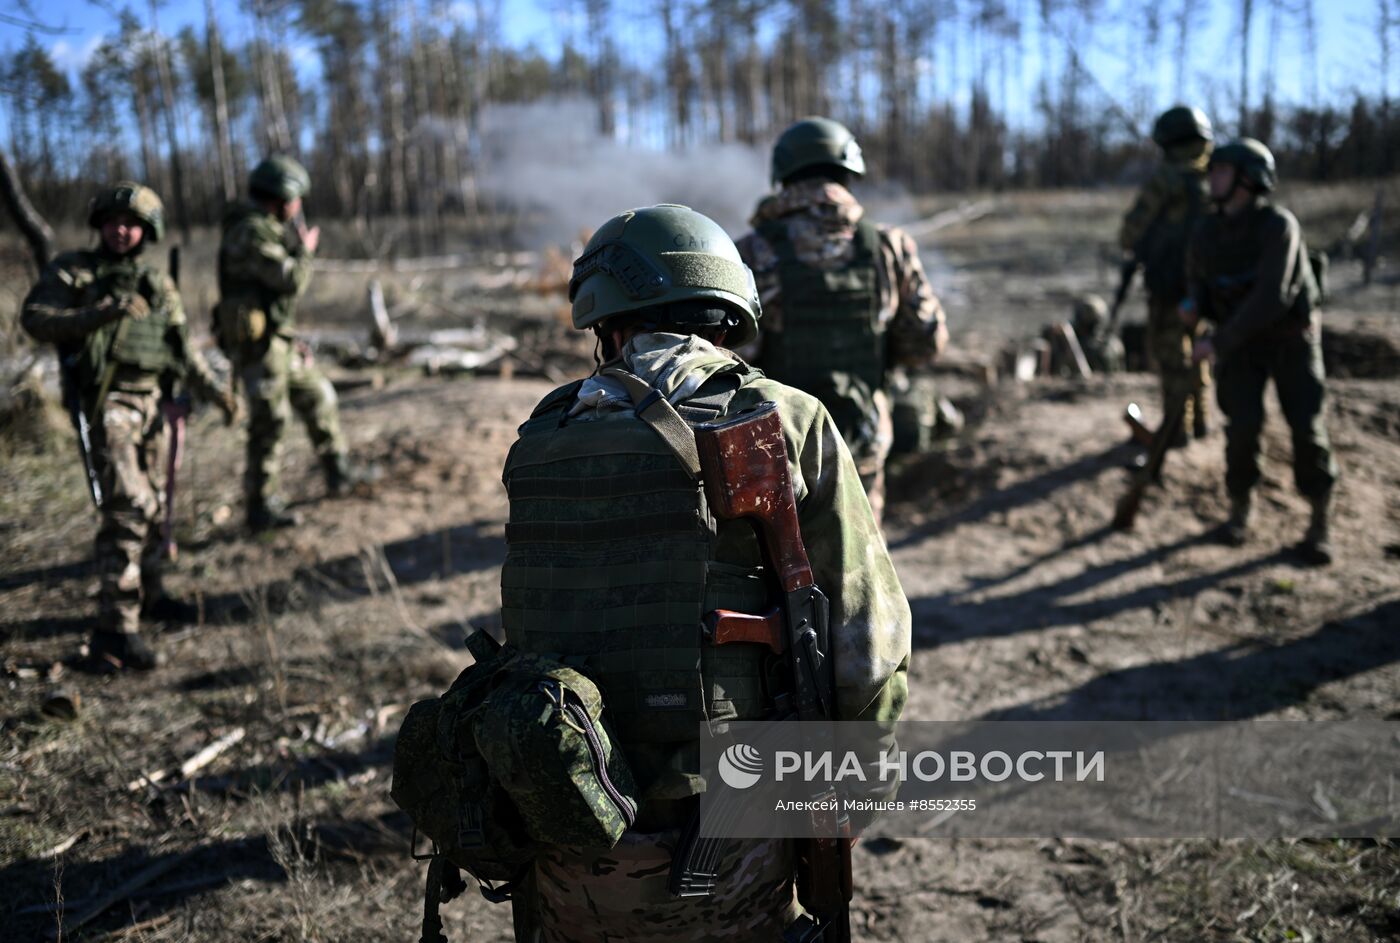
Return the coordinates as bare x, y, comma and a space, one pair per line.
614, 558
831, 318
139, 345
1227, 252
1164, 255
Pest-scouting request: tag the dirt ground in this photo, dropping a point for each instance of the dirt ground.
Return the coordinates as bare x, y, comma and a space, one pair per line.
313, 642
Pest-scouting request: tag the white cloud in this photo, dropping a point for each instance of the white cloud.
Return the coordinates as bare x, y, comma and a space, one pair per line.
71, 58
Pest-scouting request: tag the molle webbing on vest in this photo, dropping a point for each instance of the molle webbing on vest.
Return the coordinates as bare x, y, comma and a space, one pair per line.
611, 557
142, 345
831, 318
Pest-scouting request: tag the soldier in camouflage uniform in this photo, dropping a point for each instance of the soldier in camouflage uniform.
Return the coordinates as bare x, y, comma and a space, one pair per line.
121, 333
1103, 349
1155, 232
613, 558
1253, 279
844, 300
264, 265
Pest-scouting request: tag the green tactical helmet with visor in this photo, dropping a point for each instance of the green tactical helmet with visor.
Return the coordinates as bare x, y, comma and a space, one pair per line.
1181, 125
279, 177
1252, 161
128, 196
663, 256
813, 142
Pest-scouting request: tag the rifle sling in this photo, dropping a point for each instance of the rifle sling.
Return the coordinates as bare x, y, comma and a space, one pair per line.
656, 411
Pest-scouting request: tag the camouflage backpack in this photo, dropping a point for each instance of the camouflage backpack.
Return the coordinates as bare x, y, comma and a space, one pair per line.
515, 754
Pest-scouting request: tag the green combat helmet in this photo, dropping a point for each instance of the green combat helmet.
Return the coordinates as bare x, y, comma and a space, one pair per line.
660, 255
1253, 161
1181, 125
280, 177
815, 141
1090, 313
127, 196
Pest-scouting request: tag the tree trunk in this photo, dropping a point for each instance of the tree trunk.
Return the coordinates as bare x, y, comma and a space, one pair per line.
33, 226
223, 140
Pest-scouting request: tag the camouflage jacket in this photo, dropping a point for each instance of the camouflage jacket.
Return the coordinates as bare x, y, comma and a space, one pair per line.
76, 306
870, 619
821, 218
1160, 196
262, 265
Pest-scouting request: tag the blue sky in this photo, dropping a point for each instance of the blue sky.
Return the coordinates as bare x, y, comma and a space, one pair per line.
1348, 60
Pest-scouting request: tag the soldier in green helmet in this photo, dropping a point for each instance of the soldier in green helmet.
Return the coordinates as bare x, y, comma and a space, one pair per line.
121, 336
1155, 232
264, 265
613, 559
1253, 279
844, 300
1103, 349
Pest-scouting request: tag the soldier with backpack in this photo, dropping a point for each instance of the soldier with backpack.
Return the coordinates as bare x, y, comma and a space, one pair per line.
615, 558
1254, 280
1154, 233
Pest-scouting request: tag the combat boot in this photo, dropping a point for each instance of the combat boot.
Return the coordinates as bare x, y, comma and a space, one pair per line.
1316, 548
342, 476
1235, 531
116, 651
272, 515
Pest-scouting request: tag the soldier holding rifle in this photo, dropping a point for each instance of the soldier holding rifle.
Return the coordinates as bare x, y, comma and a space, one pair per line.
1153, 236
121, 335
617, 559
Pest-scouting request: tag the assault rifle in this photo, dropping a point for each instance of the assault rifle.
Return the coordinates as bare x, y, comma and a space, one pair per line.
73, 402
1126, 273
743, 461
1125, 514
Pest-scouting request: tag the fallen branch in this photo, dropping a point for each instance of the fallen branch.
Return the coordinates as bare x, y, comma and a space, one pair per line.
61, 847
194, 764
965, 213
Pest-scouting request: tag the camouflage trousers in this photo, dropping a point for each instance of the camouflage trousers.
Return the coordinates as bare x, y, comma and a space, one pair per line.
1170, 345
129, 451
1294, 361
282, 381
623, 894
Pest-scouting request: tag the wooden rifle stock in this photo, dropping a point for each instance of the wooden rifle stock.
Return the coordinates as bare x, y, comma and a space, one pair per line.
744, 464
1125, 514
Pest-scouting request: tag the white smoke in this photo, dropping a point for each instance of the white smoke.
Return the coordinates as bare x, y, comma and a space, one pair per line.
549, 160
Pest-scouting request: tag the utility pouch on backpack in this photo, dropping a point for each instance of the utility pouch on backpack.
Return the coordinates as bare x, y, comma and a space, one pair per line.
237, 325
514, 754
443, 783
542, 733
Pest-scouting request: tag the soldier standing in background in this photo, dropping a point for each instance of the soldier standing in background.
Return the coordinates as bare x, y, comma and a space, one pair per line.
264, 265
121, 334
844, 299
613, 558
1155, 232
1253, 279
